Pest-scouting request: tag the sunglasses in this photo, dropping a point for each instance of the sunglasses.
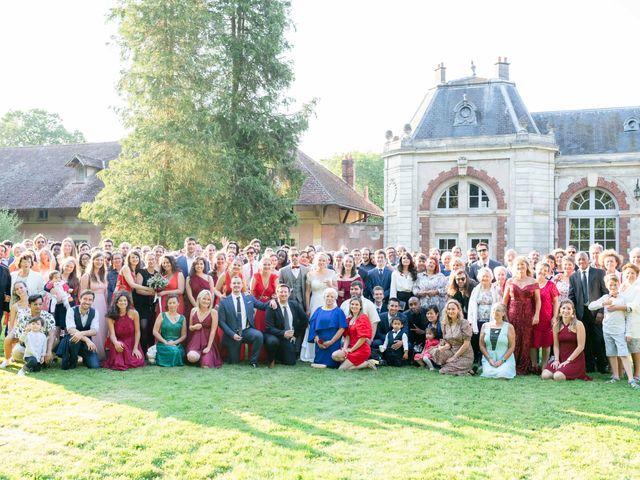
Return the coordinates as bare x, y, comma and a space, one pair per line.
481, 250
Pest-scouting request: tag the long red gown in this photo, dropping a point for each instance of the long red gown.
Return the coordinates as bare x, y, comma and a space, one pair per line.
198, 284
125, 333
575, 370
198, 341
542, 332
358, 329
264, 294
522, 306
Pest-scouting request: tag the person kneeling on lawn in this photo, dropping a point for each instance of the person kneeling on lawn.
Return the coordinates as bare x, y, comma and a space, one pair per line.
82, 326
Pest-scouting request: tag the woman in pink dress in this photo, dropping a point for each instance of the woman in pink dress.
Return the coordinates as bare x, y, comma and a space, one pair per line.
203, 324
549, 305
197, 281
522, 297
568, 347
123, 342
346, 275
95, 279
169, 270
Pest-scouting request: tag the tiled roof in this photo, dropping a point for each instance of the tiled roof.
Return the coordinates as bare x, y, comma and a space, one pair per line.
583, 132
37, 176
321, 187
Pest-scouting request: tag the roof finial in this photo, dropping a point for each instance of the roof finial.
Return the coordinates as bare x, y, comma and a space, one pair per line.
473, 68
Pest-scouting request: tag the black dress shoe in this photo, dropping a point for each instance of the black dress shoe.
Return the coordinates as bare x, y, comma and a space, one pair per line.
254, 365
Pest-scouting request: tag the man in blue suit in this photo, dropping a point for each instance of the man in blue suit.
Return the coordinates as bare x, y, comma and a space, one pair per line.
236, 319
379, 276
483, 261
185, 261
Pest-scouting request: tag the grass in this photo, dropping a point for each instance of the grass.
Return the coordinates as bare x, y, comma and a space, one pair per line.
299, 423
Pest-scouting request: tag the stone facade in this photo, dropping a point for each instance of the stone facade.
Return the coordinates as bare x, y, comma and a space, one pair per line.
475, 164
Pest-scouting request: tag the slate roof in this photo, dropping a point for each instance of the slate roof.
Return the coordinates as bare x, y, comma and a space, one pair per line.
37, 176
322, 187
580, 132
500, 110
43, 177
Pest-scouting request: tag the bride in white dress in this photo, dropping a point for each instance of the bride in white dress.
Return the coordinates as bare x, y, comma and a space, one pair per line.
318, 280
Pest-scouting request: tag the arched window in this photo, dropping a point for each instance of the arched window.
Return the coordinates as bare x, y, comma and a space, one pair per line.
593, 218
478, 198
449, 198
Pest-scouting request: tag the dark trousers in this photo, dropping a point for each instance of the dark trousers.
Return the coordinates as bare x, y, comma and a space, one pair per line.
280, 349
393, 358
70, 360
594, 352
251, 336
475, 344
32, 364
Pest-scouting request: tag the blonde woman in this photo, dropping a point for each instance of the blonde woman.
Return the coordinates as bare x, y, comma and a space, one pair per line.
497, 343
455, 355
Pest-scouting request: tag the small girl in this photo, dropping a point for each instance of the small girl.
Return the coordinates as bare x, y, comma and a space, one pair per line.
35, 343
59, 288
425, 359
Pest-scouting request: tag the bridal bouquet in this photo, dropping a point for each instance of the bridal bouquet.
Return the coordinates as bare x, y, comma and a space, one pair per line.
157, 282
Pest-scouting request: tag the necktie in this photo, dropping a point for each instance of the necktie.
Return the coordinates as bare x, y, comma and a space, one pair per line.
380, 271
585, 290
285, 313
250, 270
239, 312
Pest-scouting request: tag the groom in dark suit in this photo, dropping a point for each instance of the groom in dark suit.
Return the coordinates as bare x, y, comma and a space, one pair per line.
236, 319
483, 261
185, 261
285, 327
586, 284
379, 277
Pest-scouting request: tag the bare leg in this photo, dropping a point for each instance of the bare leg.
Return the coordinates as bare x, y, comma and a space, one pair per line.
193, 357
347, 365
628, 369
636, 364
559, 377
546, 351
533, 354
613, 362
546, 374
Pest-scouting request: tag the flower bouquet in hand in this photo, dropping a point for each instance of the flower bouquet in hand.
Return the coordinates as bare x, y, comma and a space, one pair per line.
158, 283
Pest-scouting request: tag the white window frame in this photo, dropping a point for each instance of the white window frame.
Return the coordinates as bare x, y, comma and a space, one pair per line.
592, 215
446, 237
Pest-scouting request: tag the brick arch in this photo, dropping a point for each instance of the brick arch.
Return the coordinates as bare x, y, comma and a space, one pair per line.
482, 175
611, 187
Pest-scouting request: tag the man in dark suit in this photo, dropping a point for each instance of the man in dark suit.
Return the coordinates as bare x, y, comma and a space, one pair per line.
416, 323
236, 319
483, 261
366, 265
378, 300
384, 326
379, 276
285, 327
294, 276
586, 285
185, 261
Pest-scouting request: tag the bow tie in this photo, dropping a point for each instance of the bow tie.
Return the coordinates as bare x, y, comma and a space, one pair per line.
295, 267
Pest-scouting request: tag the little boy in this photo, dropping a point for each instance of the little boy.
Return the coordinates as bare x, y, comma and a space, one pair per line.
615, 326
35, 346
395, 357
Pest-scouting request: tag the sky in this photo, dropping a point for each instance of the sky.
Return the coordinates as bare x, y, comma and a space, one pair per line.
369, 63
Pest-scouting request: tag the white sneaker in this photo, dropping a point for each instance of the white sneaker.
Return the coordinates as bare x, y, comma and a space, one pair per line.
21, 372
4, 364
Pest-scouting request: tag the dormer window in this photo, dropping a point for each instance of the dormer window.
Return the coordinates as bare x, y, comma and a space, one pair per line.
81, 173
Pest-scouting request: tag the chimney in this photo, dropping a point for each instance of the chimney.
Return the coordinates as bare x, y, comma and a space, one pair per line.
365, 194
349, 170
502, 68
441, 72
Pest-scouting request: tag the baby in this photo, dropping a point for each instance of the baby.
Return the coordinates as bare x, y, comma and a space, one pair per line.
35, 346
425, 358
59, 288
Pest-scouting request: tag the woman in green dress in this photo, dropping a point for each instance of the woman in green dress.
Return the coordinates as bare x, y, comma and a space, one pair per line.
170, 331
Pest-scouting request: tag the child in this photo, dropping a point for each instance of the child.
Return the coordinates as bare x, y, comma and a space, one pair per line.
59, 288
35, 346
615, 328
425, 359
395, 357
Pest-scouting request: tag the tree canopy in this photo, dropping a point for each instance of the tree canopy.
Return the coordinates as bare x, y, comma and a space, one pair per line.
35, 127
212, 145
9, 225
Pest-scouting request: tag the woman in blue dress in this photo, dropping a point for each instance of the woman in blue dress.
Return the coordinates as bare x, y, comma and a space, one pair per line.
497, 343
326, 327
170, 331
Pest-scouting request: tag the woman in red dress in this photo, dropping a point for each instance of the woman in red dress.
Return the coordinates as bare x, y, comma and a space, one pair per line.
203, 324
549, 304
123, 343
224, 282
197, 281
263, 287
356, 350
127, 277
568, 347
346, 275
169, 270
522, 297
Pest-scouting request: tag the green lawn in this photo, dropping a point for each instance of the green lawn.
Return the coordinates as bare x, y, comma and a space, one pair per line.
303, 423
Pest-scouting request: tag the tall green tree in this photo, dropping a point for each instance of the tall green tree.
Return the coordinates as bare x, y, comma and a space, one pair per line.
35, 127
212, 146
369, 172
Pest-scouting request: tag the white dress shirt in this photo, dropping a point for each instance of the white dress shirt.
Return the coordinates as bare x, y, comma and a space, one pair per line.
70, 321
242, 309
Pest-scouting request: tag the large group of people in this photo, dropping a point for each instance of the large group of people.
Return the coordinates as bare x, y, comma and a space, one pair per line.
561, 315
